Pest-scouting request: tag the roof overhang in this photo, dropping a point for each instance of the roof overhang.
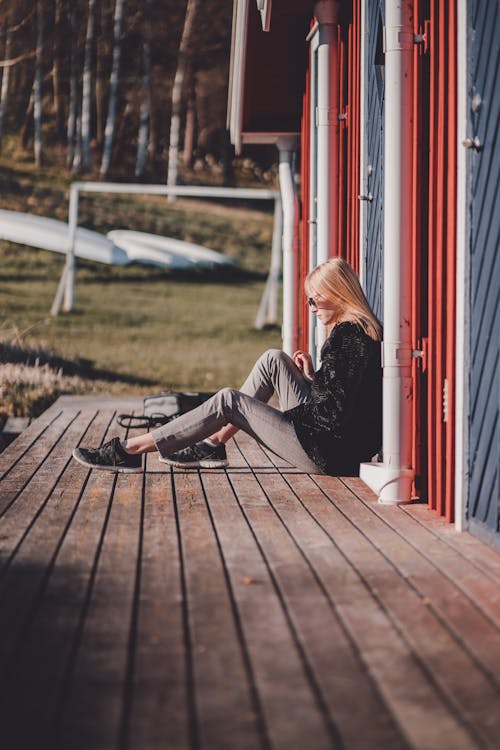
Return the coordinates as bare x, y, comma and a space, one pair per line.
268, 68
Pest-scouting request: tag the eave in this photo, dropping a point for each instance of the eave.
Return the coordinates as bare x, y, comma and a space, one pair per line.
267, 70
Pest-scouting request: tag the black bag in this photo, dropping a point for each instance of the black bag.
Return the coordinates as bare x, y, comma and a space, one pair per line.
161, 408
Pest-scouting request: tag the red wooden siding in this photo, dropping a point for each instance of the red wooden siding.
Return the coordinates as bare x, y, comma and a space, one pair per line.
305, 172
433, 228
348, 150
419, 250
353, 136
441, 266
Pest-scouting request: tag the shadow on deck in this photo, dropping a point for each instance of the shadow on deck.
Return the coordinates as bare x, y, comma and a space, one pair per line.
255, 607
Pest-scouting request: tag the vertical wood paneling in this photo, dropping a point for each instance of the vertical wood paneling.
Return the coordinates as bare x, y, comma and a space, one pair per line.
441, 258
353, 135
419, 254
483, 168
305, 183
374, 108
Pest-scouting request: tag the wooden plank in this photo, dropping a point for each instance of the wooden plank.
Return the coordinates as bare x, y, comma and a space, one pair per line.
16, 450
414, 701
483, 556
93, 710
43, 470
224, 709
246, 443
36, 459
261, 462
159, 716
291, 717
463, 684
340, 675
37, 621
235, 458
460, 571
468, 624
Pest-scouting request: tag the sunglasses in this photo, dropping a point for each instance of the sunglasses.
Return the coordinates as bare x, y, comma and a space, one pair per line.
311, 302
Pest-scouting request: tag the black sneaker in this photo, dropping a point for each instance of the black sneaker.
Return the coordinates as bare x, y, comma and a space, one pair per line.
109, 457
199, 456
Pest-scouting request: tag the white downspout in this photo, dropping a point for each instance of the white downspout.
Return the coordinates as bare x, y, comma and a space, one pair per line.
327, 14
287, 147
393, 479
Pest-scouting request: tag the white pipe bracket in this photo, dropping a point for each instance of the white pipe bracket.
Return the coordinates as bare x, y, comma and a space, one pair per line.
397, 38
396, 354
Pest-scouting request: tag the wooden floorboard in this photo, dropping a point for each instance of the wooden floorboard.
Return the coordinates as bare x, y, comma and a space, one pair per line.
253, 608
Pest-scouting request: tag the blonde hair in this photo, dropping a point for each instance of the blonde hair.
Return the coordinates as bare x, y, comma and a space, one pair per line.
337, 281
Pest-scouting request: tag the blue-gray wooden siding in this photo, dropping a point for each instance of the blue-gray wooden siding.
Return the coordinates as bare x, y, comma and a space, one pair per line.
483, 168
374, 181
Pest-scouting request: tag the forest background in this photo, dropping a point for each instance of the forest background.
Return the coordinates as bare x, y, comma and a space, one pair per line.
125, 90
107, 86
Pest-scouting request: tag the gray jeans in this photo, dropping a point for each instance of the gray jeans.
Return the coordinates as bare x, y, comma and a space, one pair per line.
247, 409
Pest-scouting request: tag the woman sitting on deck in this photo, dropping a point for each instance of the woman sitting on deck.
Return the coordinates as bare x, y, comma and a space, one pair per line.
329, 421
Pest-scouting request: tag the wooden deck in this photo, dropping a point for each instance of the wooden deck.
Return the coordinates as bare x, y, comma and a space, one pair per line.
255, 607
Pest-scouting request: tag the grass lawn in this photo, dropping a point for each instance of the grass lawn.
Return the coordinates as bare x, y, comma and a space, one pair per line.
137, 329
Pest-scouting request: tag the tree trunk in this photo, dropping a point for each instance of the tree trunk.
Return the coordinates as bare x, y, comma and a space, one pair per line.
86, 119
76, 164
113, 90
227, 159
145, 115
73, 90
37, 85
190, 128
4, 96
28, 121
56, 78
100, 88
175, 122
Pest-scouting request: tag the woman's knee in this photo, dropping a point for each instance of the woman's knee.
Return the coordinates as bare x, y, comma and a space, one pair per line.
272, 355
227, 398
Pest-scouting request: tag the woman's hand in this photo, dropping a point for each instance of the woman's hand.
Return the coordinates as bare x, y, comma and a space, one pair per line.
303, 360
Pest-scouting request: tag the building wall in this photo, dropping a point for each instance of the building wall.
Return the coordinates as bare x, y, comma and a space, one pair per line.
433, 233
373, 168
483, 168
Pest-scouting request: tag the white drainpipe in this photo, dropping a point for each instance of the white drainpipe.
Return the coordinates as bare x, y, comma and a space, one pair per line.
393, 479
287, 147
327, 122
327, 14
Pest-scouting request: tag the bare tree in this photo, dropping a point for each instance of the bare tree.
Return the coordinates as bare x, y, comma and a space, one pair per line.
113, 89
175, 122
190, 126
37, 85
73, 89
145, 115
86, 118
100, 82
56, 73
4, 96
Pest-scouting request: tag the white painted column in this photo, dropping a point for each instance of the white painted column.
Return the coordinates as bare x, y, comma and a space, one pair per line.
287, 147
393, 479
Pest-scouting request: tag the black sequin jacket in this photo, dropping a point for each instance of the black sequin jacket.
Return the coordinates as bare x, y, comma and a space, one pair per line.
340, 424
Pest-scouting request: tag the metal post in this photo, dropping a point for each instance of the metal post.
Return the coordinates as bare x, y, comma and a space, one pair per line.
268, 309
69, 292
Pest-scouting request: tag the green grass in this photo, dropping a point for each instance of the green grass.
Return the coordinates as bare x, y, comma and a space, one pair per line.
137, 329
